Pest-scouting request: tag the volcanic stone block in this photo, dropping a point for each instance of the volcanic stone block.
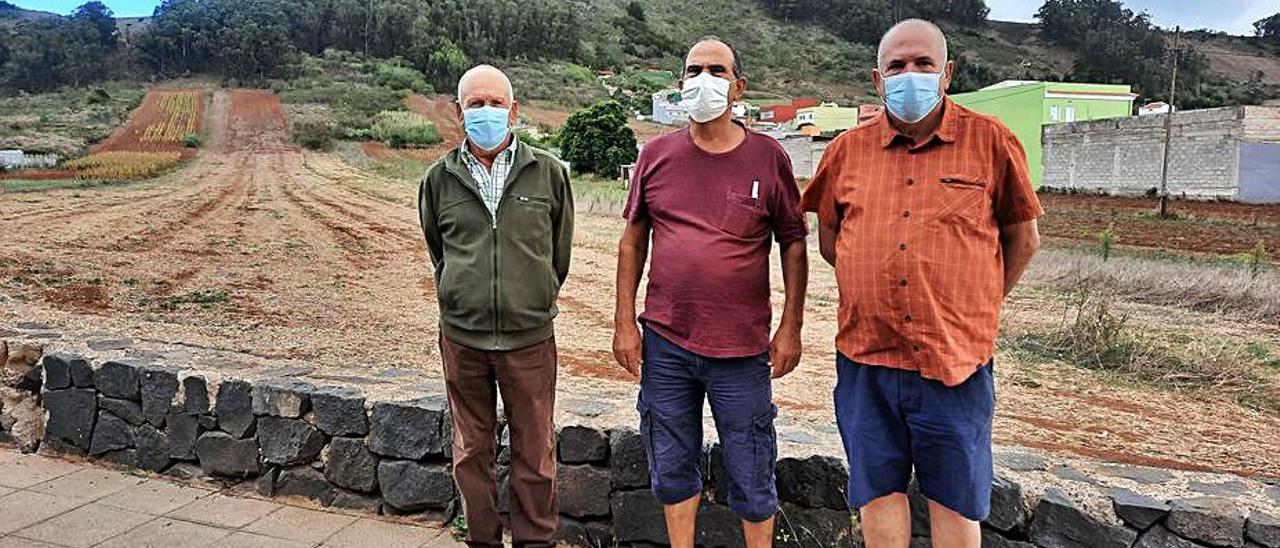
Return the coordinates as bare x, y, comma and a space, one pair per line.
129, 411
340, 412
124, 457
185, 471
355, 501
71, 415
407, 430
411, 487
1264, 529
628, 463
153, 449
81, 372
1059, 523
208, 422
304, 481
282, 398
1139, 511
57, 370
576, 533
159, 387
993, 539
1210, 520
119, 378
815, 482
1159, 537
265, 485
288, 441
195, 399
582, 445
798, 527
1008, 513
110, 433
718, 527
583, 490
919, 509
234, 408
352, 465
224, 455
182, 431
637, 517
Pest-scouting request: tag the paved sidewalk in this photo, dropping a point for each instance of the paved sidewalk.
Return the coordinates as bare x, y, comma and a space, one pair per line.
47, 502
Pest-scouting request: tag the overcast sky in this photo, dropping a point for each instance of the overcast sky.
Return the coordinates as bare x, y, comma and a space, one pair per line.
1234, 16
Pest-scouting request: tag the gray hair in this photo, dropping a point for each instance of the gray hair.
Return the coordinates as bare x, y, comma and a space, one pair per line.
466, 76
737, 59
942, 38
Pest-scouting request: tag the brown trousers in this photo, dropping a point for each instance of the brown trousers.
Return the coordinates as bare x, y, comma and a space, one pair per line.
527, 378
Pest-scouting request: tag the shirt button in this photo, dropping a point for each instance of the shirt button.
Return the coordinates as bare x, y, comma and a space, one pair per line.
902, 247
911, 182
906, 213
907, 319
915, 348
903, 282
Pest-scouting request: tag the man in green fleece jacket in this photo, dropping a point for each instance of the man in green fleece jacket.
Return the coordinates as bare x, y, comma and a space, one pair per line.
498, 219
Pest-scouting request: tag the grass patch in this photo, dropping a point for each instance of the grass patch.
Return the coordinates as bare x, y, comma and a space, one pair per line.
205, 298
1095, 335
22, 185
599, 195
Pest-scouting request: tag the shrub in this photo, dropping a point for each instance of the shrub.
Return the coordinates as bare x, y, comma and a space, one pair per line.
314, 134
398, 77
400, 129
192, 140
597, 139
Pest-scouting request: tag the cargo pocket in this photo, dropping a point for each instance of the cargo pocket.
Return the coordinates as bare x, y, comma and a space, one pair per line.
764, 440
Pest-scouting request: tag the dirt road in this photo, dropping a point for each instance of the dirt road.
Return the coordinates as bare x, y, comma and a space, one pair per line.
259, 247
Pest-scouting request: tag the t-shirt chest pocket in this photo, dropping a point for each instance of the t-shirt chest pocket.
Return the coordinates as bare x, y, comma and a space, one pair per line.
962, 198
743, 215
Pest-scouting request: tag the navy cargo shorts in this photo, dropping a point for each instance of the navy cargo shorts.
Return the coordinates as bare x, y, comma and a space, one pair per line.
673, 382
893, 420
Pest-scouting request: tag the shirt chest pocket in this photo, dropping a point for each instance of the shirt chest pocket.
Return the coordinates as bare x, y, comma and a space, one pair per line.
529, 218
962, 199
743, 216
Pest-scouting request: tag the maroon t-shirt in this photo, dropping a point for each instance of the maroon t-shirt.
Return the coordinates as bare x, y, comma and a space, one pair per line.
712, 217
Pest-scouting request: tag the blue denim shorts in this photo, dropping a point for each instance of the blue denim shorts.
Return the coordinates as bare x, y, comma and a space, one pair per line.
673, 382
892, 420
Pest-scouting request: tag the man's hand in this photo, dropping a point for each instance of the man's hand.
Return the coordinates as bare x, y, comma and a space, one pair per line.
628, 347
784, 351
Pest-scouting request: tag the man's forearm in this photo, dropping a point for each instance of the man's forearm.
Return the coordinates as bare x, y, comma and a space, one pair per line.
630, 265
1018, 251
795, 281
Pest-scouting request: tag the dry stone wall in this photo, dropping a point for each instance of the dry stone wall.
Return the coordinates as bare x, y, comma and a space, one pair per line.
291, 437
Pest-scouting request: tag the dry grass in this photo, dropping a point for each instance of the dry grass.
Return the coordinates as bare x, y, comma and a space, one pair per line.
122, 166
1216, 288
1095, 335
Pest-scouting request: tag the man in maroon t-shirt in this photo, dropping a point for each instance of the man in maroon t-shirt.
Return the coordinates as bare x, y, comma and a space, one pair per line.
712, 196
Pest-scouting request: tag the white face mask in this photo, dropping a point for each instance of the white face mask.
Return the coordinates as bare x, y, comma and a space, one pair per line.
706, 97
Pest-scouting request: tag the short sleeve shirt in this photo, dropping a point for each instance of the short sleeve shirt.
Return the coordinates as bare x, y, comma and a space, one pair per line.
919, 265
713, 218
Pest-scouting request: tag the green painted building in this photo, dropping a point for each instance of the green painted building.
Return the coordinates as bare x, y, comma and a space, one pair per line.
1027, 106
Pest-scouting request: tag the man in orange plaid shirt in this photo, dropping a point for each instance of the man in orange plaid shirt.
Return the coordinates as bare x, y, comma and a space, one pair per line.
928, 215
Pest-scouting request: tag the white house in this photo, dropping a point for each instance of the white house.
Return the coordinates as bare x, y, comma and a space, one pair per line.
667, 109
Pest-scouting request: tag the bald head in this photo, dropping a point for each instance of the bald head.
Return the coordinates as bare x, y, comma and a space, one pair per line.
712, 49
908, 40
484, 84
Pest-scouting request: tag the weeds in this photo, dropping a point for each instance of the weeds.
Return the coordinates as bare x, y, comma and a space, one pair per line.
206, 298
1106, 241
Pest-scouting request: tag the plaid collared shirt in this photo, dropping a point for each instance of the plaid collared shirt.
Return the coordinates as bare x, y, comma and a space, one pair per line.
491, 181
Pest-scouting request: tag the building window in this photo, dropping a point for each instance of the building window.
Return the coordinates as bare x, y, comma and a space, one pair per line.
1055, 114
1071, 114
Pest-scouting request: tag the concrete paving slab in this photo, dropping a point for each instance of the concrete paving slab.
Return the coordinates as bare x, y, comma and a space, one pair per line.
23, 509
241, 539
15, 542
156, 497
445, 540
84, 526
368, 532
88, 484
300, 524
168, 533
223, 511
23, 471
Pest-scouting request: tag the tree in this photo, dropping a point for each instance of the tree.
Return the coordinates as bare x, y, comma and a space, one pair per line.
597, 139
635, 10
98, 16
1268, 28
446, 65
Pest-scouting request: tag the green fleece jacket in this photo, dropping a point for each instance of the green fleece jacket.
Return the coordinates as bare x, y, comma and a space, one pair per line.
497, 282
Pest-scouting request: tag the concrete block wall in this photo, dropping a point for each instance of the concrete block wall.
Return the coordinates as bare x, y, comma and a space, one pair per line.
1124, 156
331, 444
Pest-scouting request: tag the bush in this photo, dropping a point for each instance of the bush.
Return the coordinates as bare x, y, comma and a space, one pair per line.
314, 134
401, 78
597, 139
192, 140
399, 129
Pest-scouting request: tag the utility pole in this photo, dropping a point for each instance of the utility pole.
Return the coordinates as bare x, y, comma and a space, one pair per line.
1168, 129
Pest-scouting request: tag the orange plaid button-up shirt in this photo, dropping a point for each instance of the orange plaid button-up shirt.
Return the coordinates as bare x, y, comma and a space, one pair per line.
919, 263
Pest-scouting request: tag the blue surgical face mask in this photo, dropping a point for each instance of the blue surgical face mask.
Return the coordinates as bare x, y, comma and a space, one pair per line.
487, 127
911, 96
